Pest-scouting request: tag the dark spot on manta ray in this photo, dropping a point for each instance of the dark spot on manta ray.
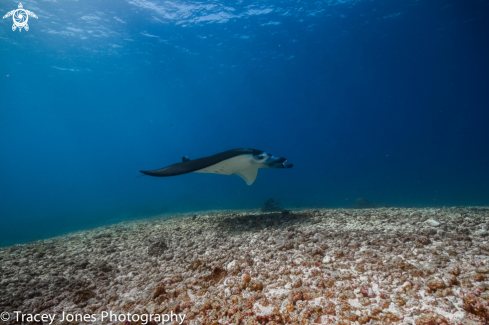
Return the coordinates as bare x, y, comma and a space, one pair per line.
243, 162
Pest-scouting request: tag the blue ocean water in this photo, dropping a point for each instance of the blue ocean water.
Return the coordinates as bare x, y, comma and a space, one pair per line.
386, 100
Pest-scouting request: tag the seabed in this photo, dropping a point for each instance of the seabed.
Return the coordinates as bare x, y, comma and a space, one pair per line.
315, 266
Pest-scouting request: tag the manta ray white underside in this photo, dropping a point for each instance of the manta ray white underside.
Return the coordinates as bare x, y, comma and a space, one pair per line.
240, 165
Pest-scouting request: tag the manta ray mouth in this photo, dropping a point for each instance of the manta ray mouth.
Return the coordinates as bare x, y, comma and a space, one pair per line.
276, 160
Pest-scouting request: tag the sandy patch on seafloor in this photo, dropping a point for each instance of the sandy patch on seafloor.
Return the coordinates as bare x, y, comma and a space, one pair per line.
321, 266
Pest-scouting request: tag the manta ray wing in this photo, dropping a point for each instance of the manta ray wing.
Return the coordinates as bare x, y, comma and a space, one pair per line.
249, 175
197, 164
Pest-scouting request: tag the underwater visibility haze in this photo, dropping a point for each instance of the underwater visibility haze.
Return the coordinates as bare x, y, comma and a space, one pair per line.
383, 100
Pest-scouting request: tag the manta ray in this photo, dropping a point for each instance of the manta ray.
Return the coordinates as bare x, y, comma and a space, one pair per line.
243, 162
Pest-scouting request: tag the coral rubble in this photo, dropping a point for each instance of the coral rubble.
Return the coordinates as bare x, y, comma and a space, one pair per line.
321, 266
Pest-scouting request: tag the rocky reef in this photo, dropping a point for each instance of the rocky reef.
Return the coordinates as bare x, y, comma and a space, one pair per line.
363, 203
271, 205
321, 266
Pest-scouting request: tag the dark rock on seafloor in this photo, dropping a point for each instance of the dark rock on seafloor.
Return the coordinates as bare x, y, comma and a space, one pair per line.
103, 235
103, 266
82, 265
271, 206
363, 203
158, 247
82, 295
